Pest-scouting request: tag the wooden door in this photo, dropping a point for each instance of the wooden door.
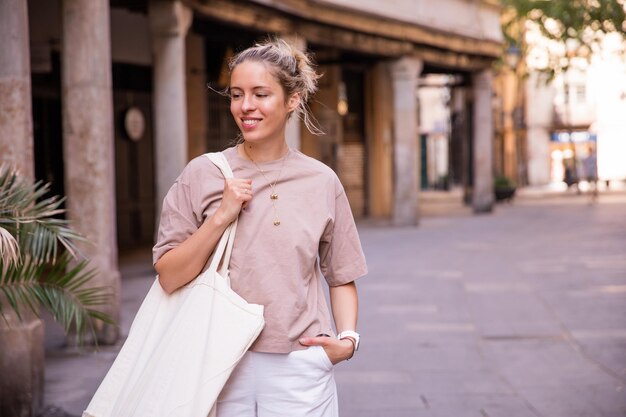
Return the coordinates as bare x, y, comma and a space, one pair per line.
134, 172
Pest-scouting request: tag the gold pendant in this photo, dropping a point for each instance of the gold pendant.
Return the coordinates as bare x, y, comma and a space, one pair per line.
274, 196
276, 222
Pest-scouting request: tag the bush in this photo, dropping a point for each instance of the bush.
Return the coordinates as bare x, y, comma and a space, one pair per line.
503, 182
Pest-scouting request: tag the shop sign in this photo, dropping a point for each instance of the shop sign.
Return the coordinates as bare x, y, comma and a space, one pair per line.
576, 137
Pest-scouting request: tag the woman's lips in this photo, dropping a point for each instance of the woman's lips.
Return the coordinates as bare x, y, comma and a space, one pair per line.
249, 124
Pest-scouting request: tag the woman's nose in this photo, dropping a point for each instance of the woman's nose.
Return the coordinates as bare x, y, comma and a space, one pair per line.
248, 103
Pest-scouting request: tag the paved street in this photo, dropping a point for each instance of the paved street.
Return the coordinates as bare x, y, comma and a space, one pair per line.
521, 313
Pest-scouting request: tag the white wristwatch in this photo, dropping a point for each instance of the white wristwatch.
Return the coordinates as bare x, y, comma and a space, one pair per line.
352, 334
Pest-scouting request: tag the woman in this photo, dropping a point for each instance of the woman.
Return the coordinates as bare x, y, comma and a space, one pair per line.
295, 225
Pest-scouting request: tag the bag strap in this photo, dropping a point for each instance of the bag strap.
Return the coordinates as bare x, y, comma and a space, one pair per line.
224, 248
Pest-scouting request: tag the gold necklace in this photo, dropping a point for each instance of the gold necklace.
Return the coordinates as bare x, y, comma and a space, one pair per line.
273, 193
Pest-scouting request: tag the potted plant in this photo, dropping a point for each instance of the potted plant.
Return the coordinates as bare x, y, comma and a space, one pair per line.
40, 266
504, 188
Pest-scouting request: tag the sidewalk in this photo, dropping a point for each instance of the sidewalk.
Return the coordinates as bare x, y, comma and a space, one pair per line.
436, 203
521, 313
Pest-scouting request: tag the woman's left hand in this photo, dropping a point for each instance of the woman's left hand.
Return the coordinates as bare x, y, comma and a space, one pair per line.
337, 350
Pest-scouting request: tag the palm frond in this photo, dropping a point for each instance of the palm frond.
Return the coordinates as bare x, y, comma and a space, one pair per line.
28, 215
47, 274
9, 248
60, 288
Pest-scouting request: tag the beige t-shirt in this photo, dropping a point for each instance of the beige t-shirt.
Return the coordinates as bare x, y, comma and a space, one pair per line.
277, 266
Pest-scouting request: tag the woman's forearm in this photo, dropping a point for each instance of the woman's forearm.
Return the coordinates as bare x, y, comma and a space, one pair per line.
345, 305
183, 263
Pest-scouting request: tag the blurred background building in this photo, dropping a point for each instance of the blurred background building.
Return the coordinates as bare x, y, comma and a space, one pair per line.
108, 100
547, 122
579, 111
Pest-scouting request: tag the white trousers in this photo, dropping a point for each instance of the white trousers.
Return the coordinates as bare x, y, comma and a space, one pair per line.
297, 384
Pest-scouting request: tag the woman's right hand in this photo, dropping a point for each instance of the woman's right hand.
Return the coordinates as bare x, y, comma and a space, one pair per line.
237, 194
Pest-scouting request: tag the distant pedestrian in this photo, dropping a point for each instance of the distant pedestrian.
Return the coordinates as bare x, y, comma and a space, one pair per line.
590, 172
569, 173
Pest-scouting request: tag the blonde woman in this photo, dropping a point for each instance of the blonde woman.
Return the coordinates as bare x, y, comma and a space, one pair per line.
295, 228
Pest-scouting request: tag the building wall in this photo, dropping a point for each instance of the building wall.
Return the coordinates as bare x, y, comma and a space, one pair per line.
608, 76
130, 37
572, 103
472, 19
539, 121
591, 97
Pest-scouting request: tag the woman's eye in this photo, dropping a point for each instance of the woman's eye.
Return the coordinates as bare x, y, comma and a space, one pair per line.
261, 95
235, 96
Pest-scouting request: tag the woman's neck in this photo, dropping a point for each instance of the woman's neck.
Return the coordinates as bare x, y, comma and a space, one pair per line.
263, 152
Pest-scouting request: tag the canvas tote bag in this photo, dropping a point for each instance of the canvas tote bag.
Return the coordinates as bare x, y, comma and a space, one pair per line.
182, 347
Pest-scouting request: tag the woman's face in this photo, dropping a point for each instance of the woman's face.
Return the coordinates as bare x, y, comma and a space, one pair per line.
258, 102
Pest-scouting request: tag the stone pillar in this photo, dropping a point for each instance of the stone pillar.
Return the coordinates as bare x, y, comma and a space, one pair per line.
21, 362
293, 131
16, 126
88, 141
21, 341
379, 118
169, 22
404, 74
482, 192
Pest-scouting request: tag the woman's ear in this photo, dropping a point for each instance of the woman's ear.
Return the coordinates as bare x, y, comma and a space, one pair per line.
293, 102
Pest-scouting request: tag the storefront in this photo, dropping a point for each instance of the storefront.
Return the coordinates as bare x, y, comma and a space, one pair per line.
567, 151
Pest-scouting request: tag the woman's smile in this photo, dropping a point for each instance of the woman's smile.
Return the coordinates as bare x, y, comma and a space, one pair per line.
249, 123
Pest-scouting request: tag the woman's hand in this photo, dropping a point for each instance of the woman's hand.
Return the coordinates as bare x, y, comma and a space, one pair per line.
184, 262
337, 350
237, 194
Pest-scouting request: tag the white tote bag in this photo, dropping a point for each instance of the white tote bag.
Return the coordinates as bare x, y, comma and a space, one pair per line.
182, 347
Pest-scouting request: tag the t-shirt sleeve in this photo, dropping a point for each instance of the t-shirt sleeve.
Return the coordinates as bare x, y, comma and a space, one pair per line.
178, 220
188, 203
341, 256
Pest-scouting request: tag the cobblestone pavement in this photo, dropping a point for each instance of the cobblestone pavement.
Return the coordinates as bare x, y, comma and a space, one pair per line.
521, 313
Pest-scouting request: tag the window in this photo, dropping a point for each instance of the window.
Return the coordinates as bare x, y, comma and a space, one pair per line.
581, 94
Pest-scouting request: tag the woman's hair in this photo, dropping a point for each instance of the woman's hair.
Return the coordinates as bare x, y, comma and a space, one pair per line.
293, 69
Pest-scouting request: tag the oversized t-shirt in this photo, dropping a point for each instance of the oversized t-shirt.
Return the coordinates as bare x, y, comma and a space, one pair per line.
279, 267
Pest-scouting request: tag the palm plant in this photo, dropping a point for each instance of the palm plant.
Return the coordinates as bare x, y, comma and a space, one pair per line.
39, 261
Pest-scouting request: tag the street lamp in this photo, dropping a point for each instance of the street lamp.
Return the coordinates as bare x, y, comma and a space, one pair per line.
512, 58
342, 102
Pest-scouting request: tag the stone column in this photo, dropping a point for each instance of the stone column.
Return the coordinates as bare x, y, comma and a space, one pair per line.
88, 141
16, 126
293, 131
21, 341
379, 118
482, 192
169, 22
404, 74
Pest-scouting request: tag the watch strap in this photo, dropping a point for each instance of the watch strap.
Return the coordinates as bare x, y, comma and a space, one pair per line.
352, 334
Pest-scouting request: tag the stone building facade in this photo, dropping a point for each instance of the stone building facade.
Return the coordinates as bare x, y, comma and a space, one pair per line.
108, 100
